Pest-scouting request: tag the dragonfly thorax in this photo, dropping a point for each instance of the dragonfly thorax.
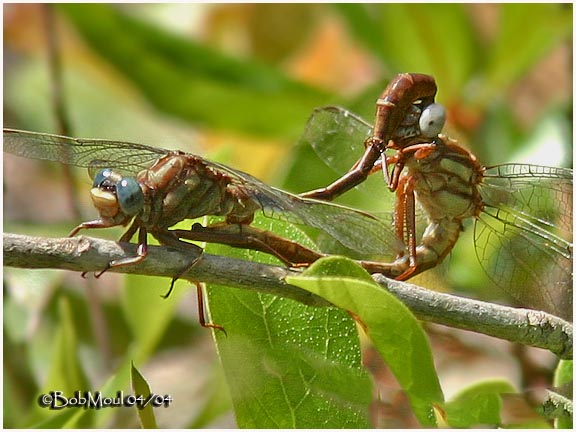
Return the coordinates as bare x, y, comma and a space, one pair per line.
446, 181
182, 186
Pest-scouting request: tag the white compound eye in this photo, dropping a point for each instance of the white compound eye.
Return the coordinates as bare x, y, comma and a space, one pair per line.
432, 120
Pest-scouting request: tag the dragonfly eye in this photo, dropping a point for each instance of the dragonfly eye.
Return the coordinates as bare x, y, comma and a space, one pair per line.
101, 176
432, 120
130, 196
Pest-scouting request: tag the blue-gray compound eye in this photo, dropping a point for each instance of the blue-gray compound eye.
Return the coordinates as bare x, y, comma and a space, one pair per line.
102, 175
130, 196
432, 120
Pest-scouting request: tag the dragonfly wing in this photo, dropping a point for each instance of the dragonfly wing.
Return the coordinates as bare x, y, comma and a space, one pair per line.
337, 136
544, 193
126, 157
524, 237
527, 261
355, 229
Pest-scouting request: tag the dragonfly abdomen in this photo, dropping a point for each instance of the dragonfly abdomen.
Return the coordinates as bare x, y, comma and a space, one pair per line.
437, 241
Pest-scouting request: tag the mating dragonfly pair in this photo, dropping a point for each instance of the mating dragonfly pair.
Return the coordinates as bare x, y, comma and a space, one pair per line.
522, 212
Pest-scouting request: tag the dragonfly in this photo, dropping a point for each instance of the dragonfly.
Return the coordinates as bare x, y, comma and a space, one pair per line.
151, 189
522, 212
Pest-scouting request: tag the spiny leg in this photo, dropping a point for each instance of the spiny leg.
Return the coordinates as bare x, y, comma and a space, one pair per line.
99, 223
355, 176
248, 237
141, 253
168, 238
201, 316
406, 223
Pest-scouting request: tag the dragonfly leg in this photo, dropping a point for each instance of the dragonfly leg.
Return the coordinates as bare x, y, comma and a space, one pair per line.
101, 223
127, 236
420, 151
141, 253
406, 222
355, 176
168, 238
401, 268
201, 315
248, 237
390, 270
395, 176
436, 243
97, 223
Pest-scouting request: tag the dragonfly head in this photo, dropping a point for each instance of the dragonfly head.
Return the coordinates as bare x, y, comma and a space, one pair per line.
116, 196
422, 122
432, 120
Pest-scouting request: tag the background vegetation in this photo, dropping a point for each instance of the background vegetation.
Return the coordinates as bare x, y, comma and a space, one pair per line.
237, 83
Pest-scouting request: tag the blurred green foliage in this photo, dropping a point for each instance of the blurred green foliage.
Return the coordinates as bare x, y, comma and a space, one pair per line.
131, 77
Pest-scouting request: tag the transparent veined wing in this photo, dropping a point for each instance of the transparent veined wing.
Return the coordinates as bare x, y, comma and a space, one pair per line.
523, 237
127, 158
355, 229
337, 136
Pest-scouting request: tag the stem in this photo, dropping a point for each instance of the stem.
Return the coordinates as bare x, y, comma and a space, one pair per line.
86, 254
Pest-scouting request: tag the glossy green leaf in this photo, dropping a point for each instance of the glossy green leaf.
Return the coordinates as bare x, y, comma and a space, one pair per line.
288, 365
193, 81
478, 405
142, 388
393, 329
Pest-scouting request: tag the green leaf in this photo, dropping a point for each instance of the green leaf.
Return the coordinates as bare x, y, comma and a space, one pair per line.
142, 388
392, 328
192, 81
479, 404
288, 365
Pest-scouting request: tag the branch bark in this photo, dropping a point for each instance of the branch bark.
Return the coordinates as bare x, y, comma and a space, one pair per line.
87, 254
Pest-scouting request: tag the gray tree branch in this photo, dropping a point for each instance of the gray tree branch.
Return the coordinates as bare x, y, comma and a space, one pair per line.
88, 254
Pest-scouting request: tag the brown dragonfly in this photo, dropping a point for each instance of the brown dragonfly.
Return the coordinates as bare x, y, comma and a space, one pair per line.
151, 189
523, 213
